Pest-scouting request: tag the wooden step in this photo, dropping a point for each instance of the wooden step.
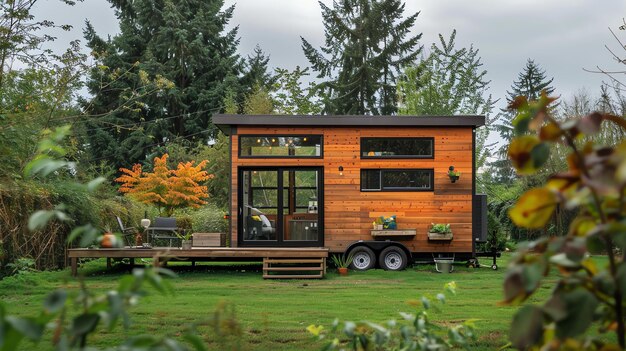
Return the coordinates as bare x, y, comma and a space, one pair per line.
316, 267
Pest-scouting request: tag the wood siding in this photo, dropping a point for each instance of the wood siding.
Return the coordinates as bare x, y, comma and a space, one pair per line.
348, 212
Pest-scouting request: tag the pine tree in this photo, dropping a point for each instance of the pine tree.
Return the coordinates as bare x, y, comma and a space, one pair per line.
367, 42
181, 44
257, 73
531, 81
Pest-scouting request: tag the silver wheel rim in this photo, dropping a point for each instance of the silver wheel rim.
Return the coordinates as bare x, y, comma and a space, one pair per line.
393, 260
361, 260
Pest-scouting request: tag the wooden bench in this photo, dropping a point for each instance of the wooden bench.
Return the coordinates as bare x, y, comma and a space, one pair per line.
294, 268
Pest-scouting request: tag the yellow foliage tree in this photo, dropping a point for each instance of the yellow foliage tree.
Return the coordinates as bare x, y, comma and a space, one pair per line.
167, 189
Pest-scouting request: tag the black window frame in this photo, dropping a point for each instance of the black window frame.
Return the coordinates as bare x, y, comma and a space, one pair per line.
431, 156
383, 170
241, 136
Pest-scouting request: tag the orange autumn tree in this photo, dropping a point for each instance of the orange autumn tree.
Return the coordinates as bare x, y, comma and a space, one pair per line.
167, 189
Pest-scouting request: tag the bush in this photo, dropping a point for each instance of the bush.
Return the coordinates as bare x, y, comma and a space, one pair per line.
208, 218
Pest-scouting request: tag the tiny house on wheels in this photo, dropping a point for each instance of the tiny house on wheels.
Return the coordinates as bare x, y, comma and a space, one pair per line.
388, 189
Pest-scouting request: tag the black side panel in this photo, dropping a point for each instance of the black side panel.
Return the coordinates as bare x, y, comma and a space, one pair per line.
479, 217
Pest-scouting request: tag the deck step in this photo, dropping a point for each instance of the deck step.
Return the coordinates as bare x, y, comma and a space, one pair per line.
299, 268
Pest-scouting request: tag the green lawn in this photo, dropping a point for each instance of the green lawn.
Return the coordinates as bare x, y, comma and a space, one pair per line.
274, 313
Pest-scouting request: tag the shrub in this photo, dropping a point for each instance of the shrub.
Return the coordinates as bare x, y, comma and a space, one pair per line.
208, 218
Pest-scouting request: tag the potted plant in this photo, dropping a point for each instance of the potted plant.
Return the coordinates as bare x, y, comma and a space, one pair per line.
342, 262
379, 223
108, 239
454, 175
439, 231
184, 224
185, 238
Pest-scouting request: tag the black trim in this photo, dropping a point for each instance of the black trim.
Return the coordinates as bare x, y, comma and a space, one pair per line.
404, 190
225, 122
279, 225
473, 189
429, 157
230, 191
321, 155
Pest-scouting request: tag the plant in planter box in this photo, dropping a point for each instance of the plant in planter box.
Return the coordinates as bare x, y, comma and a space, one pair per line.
379, 222
343, 262
439, 231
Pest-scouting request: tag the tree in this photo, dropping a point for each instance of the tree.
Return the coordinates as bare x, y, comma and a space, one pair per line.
168, 189
256, 72
367, 42
290, 97
183, 43
449, 81
529, 84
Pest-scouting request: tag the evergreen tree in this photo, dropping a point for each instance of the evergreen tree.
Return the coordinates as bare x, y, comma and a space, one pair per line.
256, 72
290, 97
367, 43
449, 81
530, 83
183, 59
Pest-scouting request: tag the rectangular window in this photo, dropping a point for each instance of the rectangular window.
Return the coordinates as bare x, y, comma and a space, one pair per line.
280, 146
397, 179
397, 147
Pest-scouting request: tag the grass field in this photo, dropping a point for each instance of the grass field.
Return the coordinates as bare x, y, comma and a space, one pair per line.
274, 314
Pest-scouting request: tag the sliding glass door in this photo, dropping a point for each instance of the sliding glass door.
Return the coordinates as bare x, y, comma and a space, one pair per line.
280, 206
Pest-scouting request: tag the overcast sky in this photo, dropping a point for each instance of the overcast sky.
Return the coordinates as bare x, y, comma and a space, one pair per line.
562, 36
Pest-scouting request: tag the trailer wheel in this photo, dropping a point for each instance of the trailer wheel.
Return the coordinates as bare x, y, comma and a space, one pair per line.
393, 258
494, 267
363, 258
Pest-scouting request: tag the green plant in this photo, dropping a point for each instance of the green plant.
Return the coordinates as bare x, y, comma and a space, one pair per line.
440, 228
22, 265
454, 173
343, 261
594, 183
414, 332
183, 234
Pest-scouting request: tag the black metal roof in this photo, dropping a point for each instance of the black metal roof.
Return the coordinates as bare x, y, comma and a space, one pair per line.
226, 122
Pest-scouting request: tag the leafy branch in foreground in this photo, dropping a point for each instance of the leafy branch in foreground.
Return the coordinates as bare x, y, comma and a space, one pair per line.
595, 185
417, 332
72, 315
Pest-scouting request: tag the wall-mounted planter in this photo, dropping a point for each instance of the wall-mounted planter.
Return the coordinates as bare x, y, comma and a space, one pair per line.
453, 178
440, 236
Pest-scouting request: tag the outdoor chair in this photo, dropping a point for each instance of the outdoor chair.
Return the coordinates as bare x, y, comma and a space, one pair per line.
128, 233
162, 228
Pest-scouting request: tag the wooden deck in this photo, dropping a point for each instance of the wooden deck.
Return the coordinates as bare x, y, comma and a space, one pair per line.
214, 253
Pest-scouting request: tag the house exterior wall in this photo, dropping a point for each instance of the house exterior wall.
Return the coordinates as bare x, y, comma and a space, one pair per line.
349, 212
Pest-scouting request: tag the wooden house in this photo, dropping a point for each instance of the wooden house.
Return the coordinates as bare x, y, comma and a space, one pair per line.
322, 181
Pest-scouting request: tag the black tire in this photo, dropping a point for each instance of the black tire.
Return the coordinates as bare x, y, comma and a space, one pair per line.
494, 267
393, 258
363, 258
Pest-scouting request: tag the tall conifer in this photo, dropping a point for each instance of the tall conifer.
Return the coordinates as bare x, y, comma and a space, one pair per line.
181, 45
367, 43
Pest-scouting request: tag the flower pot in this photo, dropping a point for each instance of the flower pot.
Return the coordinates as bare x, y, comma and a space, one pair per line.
186, 244
342, 270
109, 240
454, 178
379, 227
440, 236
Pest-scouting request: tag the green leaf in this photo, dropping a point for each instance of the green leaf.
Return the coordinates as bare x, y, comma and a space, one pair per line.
87, 234
580, 307
349, 328
28, 327
55, 301
85, 323
195, 341
94, 184
540, 154
39, 219
527, 327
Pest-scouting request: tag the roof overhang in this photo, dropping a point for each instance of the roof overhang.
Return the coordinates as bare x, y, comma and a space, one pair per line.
226, 122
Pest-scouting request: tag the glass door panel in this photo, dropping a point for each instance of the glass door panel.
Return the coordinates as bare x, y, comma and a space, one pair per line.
260, 205
279, 206
301, 219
